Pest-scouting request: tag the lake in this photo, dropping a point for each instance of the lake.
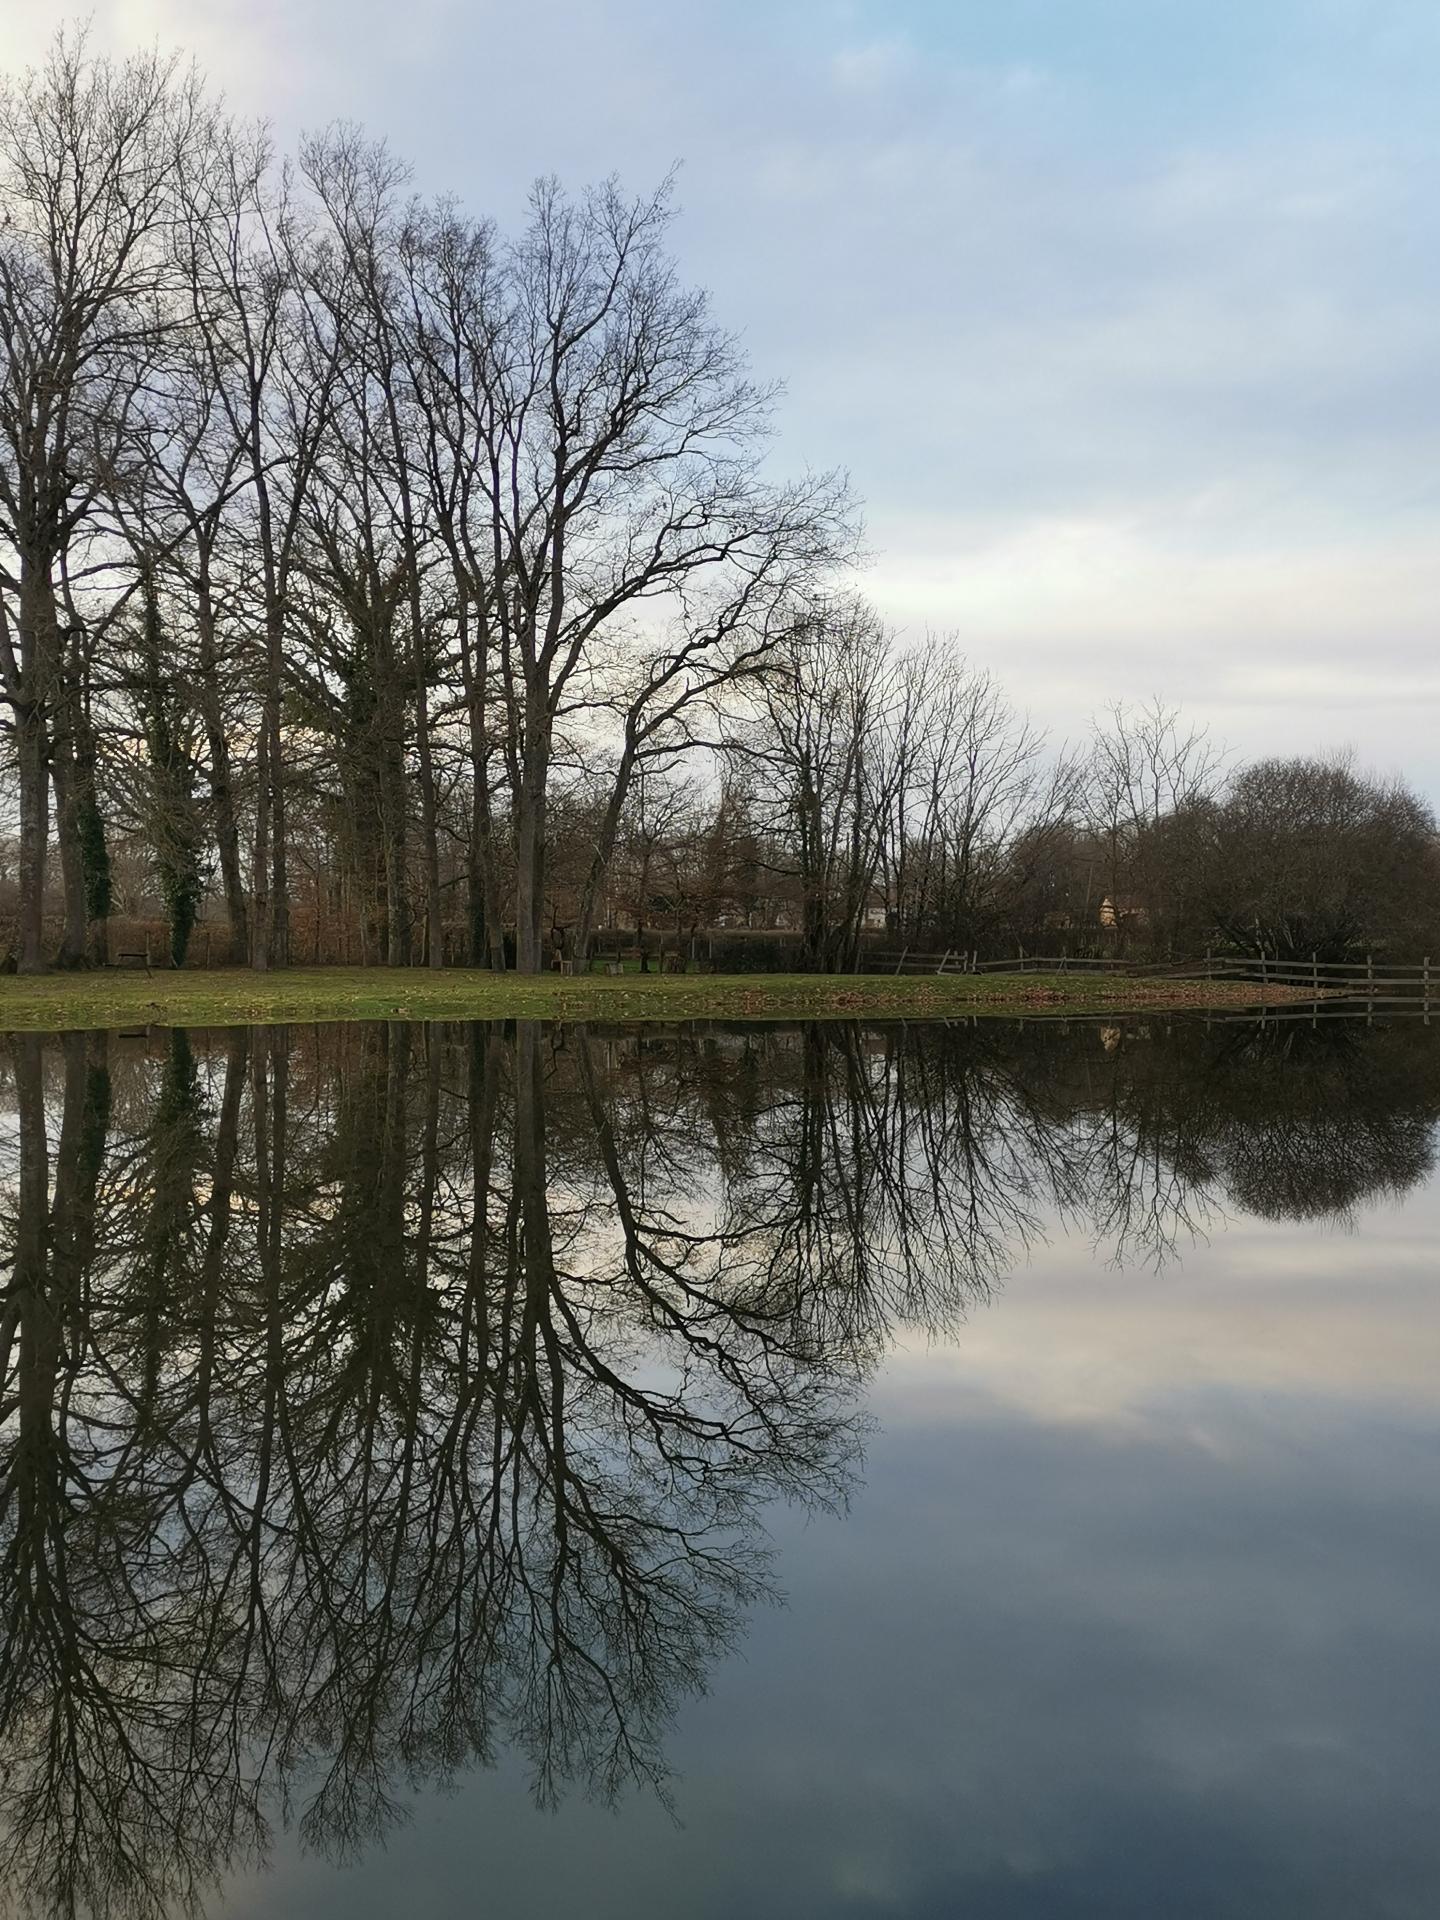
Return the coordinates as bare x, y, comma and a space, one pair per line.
977, 1469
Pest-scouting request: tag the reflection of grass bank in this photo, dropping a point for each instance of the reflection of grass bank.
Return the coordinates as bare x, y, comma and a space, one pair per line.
233, 997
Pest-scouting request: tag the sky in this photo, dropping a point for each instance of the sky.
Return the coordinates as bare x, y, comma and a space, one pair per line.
1123, 315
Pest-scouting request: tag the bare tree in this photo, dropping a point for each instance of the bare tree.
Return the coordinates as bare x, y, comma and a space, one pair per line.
273, 375
977, 797
613, 503
816, 745
1147, 765
90, 156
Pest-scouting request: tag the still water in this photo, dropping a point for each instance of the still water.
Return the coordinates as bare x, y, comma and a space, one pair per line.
928, 1471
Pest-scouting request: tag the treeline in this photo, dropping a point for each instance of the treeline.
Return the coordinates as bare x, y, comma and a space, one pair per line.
931, 808
343, 532
377, 585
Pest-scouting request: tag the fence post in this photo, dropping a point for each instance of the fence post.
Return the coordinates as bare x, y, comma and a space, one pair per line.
1264, 974
1315, 974
1370, 988
901, 961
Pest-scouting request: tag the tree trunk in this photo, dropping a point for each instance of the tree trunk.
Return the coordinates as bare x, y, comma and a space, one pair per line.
486, 927
429, 812
262, 922
227, 837
31, 756
271, 944
69, 807
38, 639
477, 949
279, 864
94, 853
84, 860
222, 789
71, 951
604, 854
394, 853
530, 853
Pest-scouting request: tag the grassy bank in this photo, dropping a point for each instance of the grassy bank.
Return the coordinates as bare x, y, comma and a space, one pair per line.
236, 998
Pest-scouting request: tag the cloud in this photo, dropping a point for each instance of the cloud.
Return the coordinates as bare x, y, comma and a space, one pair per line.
1124, 319
872, 68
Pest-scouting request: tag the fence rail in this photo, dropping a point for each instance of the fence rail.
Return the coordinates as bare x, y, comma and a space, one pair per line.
1384, 984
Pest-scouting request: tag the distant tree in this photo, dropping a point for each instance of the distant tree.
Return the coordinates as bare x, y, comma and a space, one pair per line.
1307, 856
978, 796
1147, 768
816, 749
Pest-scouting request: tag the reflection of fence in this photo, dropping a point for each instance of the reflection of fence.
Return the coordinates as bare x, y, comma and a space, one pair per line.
1386, 985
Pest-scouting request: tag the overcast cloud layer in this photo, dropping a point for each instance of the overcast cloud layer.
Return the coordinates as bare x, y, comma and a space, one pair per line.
1123, 314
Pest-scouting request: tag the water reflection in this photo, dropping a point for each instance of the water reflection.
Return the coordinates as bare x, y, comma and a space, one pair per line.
377, 1400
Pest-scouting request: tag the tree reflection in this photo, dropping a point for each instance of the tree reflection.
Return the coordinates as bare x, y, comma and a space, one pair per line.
377, 1400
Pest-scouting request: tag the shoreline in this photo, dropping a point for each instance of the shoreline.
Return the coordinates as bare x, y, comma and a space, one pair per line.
238, 997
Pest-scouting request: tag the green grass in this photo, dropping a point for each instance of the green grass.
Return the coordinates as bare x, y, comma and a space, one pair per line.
234, 997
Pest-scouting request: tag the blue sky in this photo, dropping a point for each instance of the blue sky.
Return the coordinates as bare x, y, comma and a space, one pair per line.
1123, 314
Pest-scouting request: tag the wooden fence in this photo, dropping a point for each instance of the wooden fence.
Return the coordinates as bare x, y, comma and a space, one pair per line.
1385, 984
